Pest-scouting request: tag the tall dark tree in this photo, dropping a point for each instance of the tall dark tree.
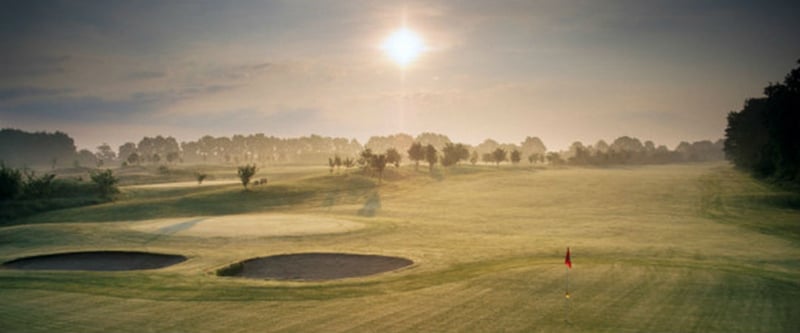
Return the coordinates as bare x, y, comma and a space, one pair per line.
763, 137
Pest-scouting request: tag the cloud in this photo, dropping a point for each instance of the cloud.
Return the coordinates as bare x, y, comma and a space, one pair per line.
15, 93
13, 66
146, 75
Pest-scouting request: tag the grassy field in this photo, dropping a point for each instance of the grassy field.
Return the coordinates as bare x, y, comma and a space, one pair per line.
681, 248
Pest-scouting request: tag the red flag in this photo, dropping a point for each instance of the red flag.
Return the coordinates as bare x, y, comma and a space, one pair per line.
567, 261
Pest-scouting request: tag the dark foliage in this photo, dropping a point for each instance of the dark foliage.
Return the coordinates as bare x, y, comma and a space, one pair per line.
19, 148
106, 183
764, 137
10, 182
245, 173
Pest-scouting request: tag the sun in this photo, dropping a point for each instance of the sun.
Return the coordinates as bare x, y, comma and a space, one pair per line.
403, 46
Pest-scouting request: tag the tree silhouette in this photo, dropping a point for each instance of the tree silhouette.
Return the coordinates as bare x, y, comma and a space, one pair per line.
378, 163
763, 137
516, 156
393, 157
453, 153
431, 156
416, 153
473, 157
498, 155
246, 172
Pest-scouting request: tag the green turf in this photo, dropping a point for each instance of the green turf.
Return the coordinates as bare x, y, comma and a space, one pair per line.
681, 248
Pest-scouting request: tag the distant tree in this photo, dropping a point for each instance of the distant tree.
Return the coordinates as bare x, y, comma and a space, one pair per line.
10, 182
105, 153
487, 158
499, 155
349, 163
534, 158
416, 153
578, 154
554, 158
106, 183
438, 141
431, 156
473, 157
155, 158
133, 158
200, 177
487, 147
378, 163
173, 157
85, 158
454, 153
246, 172
516, 156
337, 161
532, 145
365, 158
126, 150
331, 164
393, 157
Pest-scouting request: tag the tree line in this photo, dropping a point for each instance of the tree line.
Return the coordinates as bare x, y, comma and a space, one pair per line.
41, 149
764, 137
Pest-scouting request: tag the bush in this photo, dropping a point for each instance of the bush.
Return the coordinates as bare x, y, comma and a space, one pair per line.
106, 183
10, 182
38, 187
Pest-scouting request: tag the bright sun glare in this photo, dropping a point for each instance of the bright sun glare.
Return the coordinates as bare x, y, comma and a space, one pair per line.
403, 46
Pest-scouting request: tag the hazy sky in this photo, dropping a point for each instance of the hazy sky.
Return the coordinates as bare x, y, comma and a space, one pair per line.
114, 71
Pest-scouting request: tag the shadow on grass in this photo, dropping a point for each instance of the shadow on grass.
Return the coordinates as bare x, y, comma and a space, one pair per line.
371, 206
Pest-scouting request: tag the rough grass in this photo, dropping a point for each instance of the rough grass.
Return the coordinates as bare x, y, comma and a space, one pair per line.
691, 248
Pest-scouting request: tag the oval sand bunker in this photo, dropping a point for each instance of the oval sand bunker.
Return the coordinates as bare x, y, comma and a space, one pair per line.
96, 261
314, 266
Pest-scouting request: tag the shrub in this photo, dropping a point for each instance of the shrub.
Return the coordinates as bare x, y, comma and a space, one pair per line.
106, 183
10, 182
38, 187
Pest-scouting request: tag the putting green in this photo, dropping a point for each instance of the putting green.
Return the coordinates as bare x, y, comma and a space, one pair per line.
248, 225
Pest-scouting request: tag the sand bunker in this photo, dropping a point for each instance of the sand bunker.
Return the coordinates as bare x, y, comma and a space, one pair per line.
314, 266
96, 261
248, 225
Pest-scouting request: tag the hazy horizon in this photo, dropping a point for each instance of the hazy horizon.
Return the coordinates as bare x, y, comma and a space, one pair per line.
110, 71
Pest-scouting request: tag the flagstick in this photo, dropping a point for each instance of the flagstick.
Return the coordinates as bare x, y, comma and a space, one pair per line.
566, 300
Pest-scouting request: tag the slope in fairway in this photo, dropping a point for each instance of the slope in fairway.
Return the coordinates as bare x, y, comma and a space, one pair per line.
248, 225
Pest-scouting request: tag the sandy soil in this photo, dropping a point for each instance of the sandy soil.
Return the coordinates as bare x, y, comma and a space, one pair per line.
96, 261
248, 225
319, 266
